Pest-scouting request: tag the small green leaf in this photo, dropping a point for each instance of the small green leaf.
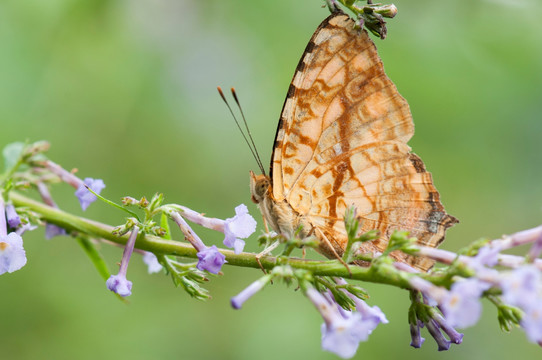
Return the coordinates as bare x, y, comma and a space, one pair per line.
164, 224
12, 154
94, 256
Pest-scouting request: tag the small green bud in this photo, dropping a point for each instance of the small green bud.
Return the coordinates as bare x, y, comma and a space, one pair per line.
388, 11
128, 200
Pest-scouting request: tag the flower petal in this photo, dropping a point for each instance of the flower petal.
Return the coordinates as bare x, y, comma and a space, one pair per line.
86, 197
210, 259
12, 254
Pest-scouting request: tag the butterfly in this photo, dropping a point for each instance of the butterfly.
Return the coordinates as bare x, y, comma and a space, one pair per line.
342, 141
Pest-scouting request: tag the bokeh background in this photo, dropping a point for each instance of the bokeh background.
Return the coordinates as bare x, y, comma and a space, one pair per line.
125, 91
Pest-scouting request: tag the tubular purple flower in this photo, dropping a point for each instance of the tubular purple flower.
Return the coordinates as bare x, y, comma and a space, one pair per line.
86, 197
520, 286
118, 283
340, 335
405, 267
371, 316
11, 215
52, 230
372, 313
531, 322
442, 342
46, 195
519, 238
153, 266
455, 336
487, 256
535, 249
242, 225
63, 174
433, 294
12, 254
415, 335
461, 306
444, 256
187, 231
210, 259
238, 300
515, 261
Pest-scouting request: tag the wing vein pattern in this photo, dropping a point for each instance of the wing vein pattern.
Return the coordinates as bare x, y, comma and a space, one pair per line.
342, 140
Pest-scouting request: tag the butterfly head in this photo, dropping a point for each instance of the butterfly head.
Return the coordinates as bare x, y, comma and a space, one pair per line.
260, 186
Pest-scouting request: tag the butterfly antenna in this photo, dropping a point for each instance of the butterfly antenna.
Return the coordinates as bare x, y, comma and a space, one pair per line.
253, 151
259, 160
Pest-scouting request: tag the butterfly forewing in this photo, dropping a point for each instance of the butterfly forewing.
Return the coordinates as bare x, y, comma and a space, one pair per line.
341, 141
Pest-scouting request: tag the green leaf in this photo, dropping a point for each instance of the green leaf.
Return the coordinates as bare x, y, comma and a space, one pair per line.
94, 256
164, 224
12, 154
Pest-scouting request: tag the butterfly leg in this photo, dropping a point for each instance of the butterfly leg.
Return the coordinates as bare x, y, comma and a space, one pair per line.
321, 235
266, 251
265, 224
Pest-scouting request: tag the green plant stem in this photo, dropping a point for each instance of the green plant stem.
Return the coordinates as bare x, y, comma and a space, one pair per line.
76, 224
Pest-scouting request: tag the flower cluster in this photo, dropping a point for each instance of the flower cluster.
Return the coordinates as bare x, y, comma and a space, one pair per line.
343, 330
520, 287
346, 324
242, 225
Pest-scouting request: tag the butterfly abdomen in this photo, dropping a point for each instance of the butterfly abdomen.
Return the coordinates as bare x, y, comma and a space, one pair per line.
279, 215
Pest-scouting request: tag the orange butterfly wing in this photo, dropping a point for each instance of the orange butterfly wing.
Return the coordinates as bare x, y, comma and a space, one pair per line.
342, 140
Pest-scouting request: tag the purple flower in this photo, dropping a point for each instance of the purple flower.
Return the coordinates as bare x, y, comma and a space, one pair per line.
521, 286
152, 263
86, 197
461, 306
370, 314
52, 230
242, 225
487, 256
531, 322
12, 254
415, 335
238, 300
343, 335
454, 336
432, 293
11, 215
24, 228
535, 249
442, 342
342, 331
210, 259
119, 284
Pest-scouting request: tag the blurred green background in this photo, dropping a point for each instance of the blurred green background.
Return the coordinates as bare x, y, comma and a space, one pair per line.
125, 90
